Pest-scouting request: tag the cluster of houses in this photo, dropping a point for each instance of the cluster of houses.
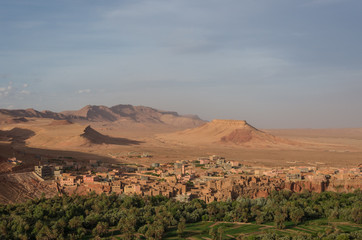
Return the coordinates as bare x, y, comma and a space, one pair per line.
210, 178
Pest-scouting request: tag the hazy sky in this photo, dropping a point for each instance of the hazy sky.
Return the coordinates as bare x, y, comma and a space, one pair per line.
274, 63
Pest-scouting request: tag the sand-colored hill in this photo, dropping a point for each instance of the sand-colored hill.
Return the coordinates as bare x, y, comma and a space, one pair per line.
54, 134
229, 132
60, 134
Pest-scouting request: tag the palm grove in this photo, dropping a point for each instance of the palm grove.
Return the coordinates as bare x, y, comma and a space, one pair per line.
135, 217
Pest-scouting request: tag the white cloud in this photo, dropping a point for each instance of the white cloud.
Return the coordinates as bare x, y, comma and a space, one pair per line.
25, 92
4, 91
84, 91
11, 91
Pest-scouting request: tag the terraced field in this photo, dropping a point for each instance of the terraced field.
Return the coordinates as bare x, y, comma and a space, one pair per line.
201, 230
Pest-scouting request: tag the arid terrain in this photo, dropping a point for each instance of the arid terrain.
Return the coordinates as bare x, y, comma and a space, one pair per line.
113, 134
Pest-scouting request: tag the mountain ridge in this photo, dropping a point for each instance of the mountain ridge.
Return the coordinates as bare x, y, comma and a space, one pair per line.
117, 113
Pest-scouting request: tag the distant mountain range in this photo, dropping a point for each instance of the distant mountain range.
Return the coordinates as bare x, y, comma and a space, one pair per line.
118, 113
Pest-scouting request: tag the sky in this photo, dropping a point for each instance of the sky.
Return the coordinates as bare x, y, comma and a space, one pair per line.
274, 63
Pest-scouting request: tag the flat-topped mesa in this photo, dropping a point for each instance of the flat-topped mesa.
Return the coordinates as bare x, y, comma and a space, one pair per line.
226, 122
235, 132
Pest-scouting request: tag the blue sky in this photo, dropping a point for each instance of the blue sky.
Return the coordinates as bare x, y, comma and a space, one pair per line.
274, 63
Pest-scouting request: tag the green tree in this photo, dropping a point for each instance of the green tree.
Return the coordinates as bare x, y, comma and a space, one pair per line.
155, 231
59, 226
45, 234
356, 214
91, 220
296, 215
343, 236
3, 229
101, 229
159, 230
181, 227
76, 222
37, 227
279, 219
127, 225
259, 217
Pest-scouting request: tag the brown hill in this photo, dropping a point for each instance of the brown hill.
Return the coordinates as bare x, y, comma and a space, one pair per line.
97, 138
234, 132
60, 134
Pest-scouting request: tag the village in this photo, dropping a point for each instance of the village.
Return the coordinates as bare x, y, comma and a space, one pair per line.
212, 178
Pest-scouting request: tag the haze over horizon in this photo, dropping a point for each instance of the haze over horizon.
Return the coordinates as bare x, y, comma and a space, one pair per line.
276, 64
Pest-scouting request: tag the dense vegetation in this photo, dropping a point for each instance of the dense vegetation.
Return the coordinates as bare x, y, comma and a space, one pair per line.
133, 217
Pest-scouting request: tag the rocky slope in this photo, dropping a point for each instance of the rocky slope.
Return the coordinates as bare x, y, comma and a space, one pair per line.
18, 187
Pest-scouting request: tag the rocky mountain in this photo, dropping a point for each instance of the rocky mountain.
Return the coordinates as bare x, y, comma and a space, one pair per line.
118, 113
